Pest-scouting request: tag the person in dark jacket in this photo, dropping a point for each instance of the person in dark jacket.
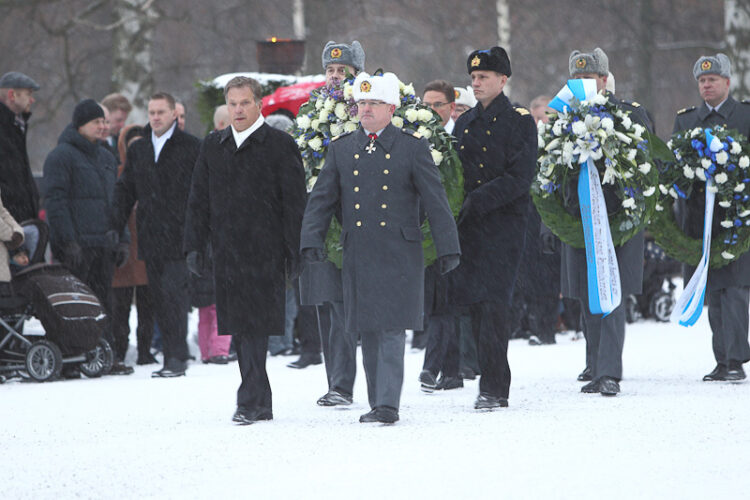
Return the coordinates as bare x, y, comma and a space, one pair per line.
728, 288
17, 187
79, 178
247, 198
497, 145
157, 175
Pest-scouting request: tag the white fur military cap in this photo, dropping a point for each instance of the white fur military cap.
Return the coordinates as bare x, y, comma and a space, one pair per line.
465, 96
713, 65
377, 88
595, 62
340, 53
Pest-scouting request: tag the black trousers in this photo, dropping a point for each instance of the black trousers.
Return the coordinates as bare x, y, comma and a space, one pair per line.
122, 299
605, 338
255, 390
442, 353
168, 281
489, 321
728, 317
96, 269
339, 348
307, 326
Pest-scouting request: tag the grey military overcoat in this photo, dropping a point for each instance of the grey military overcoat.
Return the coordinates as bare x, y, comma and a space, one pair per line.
734, 115
379, 193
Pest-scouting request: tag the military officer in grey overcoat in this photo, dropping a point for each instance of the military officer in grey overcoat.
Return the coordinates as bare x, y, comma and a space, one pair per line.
497, 145
377, 176
605, 335
728, 288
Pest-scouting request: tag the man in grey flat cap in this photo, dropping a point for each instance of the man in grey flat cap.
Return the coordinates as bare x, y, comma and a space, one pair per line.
17, 187
605, 335
728, 287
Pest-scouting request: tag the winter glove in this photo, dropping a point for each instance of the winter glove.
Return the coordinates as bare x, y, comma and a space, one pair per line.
311, 255
194, 261
72, 255
112, 238
121, 254
549, 243
15, 241
448, 263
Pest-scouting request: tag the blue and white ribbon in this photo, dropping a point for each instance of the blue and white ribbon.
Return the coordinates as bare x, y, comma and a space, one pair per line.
603, 272
689, 306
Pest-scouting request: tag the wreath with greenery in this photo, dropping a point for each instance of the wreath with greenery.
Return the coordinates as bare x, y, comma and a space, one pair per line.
698, 155
331, 111
622, 153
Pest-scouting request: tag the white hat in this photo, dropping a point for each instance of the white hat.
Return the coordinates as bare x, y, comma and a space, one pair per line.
465, 96
377, 88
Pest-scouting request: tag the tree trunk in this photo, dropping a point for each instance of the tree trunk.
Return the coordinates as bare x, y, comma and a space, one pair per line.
737, 29
503, 32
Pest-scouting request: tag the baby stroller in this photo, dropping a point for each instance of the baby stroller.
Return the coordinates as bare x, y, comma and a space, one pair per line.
72, 317
657, 299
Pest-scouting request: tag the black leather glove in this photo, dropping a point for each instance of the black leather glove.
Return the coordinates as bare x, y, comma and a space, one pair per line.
112, 238
121, 254
310, 255
194, 262
72, 255
549, 243
448, 263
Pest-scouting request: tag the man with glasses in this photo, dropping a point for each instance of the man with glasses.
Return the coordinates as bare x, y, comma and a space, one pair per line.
376, 177
440, 96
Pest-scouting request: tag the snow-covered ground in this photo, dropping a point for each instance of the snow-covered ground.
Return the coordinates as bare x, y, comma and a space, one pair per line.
668, 435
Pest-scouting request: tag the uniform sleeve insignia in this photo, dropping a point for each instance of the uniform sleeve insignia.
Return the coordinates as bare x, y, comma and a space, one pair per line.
521, 111
335, 53
365, 86
475, 62
685, 110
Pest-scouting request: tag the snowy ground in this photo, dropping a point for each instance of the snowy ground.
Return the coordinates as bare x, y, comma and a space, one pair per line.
668, 435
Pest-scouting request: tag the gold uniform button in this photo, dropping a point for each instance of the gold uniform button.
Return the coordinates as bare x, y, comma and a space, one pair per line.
382, 223
384, 206
356, 189
359, 223
479, 182
386, 171
356, 206
494, 119
385, 188
489, 133
484, 148
388, 156
481, 165
356, 156
356, 172
466, 131
462, 147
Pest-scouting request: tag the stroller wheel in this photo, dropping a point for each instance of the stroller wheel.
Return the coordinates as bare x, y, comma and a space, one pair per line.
632, 312
662, 305
43, 361
98, 361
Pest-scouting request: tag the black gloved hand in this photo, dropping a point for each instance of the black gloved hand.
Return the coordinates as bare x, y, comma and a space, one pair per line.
310, 255
194, 261
448, 263
549, 243
121, 254
112, 238
72, 255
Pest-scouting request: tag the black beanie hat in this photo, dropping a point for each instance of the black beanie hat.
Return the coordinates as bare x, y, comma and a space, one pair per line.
85, 111
494, 59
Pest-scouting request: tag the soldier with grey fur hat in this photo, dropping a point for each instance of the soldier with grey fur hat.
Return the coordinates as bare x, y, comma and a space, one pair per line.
728, 288
338, 58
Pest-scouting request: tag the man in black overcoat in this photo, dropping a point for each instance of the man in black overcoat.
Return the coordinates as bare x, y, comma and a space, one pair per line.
728, 288
247, 199
157, 175
605, 335
497, 146
377, 176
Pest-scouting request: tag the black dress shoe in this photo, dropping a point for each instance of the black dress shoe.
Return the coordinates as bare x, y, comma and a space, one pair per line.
735, 372
467, 373
70, 372
232, 356
244, 416
448, 383
488, 402
585, 375
146, 359
120, 368
172, 368
386, 414
217, 360
591, 388
719, 373
608, 386
369, 417
427, 381
306, 360
334, 398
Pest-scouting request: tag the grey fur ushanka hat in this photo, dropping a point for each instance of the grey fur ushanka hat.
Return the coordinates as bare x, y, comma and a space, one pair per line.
340, 53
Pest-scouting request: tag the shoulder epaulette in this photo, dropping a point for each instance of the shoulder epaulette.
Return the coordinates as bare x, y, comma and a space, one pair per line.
635, 104
685, 110
412, 133
521, 110
746, 101
340, 136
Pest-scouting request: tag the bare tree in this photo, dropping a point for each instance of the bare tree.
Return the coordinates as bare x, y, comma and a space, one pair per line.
737, 27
